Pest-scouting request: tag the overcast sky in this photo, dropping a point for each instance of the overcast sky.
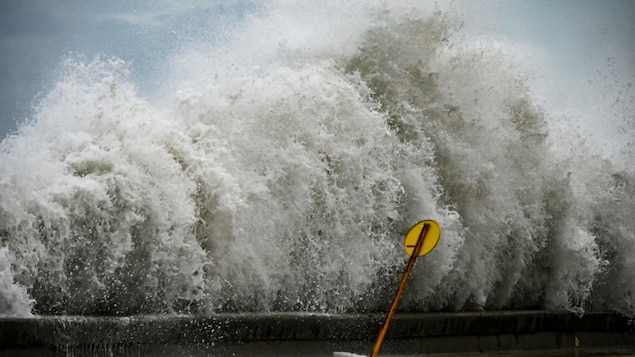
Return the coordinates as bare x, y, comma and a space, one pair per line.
585, 49
36, 35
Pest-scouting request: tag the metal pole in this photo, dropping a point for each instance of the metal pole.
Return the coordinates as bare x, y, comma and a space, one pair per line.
402, 284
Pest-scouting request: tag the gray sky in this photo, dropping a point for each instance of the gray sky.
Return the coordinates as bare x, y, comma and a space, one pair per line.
35, 36
584, 50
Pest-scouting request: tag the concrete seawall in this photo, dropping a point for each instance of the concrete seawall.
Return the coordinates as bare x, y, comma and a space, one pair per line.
408, 333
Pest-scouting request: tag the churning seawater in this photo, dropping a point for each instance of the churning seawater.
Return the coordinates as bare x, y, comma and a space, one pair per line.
275, 172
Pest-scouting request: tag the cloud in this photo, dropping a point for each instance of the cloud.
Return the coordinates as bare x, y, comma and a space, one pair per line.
150, 19
170, 10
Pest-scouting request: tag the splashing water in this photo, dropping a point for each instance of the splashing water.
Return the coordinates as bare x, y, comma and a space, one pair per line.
279, 172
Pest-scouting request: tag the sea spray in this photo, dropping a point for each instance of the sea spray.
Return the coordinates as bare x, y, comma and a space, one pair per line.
14, 300
279, 171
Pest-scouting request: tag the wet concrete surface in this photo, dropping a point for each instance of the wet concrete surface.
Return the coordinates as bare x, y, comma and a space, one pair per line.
548, 333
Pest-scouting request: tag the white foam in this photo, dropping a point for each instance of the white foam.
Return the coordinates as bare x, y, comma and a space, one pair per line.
345, 354
266, 175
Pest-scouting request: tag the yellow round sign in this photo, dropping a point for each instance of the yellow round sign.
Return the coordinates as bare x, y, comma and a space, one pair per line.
429, 231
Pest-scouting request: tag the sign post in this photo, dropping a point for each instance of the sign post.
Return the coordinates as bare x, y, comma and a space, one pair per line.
420, 240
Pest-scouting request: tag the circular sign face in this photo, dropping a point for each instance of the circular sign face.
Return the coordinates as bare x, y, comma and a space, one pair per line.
429, 231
